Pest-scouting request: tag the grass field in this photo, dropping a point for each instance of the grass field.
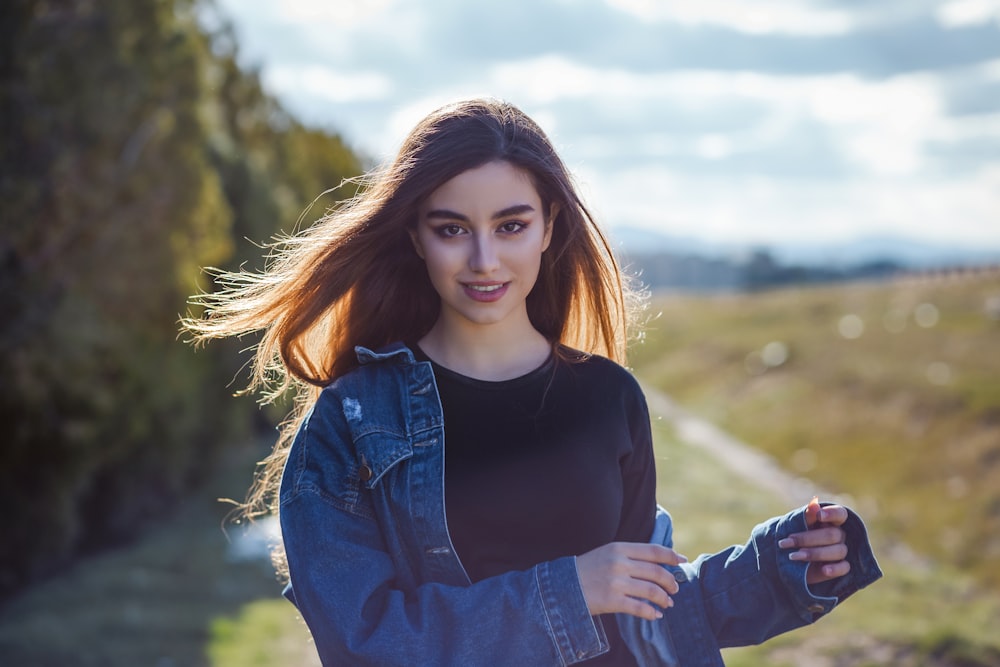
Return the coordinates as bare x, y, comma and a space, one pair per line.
872, 417
916, 616
887, 393
177, 600
174, 599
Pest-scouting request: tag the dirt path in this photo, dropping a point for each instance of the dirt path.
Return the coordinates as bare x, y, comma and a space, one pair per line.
760, 469
736, 455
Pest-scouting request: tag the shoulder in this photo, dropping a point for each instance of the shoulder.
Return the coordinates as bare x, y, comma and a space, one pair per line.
597, 368
375, 369
388, 393
359, 419
376, 381
601, 378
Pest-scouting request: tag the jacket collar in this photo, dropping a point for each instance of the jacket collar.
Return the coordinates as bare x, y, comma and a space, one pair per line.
397, 352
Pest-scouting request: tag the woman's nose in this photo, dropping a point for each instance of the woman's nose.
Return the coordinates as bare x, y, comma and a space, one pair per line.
484, 256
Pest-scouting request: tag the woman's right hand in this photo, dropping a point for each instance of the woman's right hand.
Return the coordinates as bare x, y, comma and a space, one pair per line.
624, 577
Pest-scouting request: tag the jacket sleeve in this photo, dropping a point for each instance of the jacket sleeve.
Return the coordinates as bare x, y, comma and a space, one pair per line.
743, 595
347, 587
754, 592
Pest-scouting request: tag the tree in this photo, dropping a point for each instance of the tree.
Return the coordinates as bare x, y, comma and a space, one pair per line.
125, 169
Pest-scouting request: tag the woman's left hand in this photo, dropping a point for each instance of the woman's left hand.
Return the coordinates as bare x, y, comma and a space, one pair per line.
823, 545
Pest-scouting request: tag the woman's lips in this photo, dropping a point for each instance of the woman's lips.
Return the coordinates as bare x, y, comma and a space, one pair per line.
485, 292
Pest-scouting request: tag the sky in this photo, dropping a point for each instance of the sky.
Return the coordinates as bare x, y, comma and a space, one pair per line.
740, 121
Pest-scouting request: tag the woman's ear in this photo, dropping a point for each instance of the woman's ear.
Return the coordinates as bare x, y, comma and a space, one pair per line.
415, 240
549, 224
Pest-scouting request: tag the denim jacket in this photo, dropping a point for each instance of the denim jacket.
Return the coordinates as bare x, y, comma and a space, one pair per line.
375, 575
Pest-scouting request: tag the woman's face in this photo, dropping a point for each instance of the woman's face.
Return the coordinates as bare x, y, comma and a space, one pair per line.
482, 235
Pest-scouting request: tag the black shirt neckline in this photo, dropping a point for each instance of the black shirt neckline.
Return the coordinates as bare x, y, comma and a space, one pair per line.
499, 385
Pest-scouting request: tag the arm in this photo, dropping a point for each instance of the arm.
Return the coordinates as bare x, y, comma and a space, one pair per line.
757, 591
626, 576
747, 594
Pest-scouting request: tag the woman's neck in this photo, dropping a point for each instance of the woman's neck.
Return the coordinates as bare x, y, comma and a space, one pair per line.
486, 353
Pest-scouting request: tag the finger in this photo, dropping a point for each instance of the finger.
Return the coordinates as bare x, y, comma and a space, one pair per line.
654, 574
823, 536
819, 573
651, 553
645, 561
833, 515
645, 590
639, 608
829, 553
643, 579
812, 512
814, 538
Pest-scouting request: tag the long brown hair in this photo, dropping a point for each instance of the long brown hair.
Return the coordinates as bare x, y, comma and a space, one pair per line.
354, 278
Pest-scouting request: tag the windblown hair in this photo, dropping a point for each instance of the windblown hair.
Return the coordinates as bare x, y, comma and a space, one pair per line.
354, 278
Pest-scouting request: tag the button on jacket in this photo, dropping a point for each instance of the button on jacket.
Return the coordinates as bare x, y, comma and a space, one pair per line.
377, 580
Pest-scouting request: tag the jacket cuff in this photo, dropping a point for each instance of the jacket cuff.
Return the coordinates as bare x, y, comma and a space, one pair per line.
811, 603
577, 635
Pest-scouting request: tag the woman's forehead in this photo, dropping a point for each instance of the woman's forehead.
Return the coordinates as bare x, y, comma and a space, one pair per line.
494, 184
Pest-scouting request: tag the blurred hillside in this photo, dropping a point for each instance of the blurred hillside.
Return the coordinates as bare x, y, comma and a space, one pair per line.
665, 261
134, 151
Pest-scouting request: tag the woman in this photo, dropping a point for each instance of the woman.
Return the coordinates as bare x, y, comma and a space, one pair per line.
467, 294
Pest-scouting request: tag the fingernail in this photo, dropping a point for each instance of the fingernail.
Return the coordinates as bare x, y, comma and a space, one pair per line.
659, 614
798, 555
786, 543
822, 516
682, 558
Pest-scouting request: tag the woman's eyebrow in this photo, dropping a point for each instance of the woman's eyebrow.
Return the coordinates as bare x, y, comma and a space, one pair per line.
445, 214
517, 209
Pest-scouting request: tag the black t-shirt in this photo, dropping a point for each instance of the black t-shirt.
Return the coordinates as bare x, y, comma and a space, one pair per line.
550, 464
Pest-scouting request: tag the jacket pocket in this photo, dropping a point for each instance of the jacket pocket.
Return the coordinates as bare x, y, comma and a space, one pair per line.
378, 452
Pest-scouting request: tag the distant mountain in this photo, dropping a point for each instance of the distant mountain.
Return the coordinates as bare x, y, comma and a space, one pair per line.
638, 240
906, 252
910, 253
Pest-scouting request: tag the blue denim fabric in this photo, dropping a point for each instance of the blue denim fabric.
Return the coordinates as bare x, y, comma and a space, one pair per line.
376, 578
372, 567
742, 595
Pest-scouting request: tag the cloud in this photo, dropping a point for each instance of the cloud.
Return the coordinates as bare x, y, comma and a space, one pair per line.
762, 17
328, 84
759, 209
958, 13
344, 14
438, 39
824, 118
973, 91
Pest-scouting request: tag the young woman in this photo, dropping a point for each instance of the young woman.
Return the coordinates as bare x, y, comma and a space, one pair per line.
467, 297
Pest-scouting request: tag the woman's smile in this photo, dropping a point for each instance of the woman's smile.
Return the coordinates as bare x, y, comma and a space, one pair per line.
486, 292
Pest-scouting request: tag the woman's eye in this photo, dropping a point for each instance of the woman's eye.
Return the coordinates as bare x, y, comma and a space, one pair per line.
447, 231
512, 227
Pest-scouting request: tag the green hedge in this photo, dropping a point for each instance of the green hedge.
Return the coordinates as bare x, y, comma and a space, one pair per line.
134, 151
